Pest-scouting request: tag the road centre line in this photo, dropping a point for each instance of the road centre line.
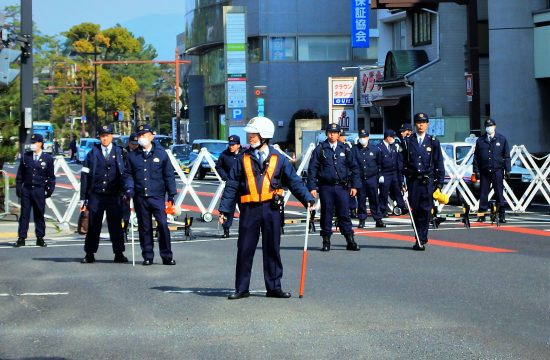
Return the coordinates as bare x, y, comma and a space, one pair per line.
36, 294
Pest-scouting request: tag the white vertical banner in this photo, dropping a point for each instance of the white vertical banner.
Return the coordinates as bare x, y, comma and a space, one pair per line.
235, 53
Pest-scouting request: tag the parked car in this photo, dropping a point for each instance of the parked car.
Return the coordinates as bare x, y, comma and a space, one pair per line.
121, 140
164, 140
519, 175
181, 153
84, 147
214, 147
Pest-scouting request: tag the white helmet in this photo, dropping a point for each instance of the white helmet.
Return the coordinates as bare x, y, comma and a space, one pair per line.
260, 125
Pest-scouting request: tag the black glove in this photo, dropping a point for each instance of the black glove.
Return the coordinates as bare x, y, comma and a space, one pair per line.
311, 203
48, 194
439, 186
18, 192
171, 199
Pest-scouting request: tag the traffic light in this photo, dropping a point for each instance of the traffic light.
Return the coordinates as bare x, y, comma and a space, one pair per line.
7, 74
115, 115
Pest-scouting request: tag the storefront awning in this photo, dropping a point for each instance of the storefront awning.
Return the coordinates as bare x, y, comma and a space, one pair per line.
387, 101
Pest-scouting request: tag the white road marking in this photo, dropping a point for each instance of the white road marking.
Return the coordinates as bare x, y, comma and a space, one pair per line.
36, 294
263, 292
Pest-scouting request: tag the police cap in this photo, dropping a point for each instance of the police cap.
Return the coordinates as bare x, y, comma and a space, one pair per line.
490, 122
334, 127
234, 139
363, 133
145, 128
405, 127
134, 139
389, 132
106, 129
37, 138
421, 117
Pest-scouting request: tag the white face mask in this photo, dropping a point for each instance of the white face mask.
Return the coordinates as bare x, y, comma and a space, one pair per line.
33, 147
256, 145
490, 130
363, 141
392, 142
144, 142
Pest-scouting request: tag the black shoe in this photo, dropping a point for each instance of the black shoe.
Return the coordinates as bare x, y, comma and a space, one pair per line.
326, 243
420, 247
280, 294
380, 224
352, 245
120, 258
20, 242
239, 295
361, 224
40, 242
168, 261
147, 262
88, 259
225, 233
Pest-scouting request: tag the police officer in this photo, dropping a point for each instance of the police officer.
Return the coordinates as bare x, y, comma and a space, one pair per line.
227, 159
404, 131
103, 181
153, 182
491, 165
335, 174
391, 179
258, 178
368, 160
424, 170
132, 146
352, 199
35, 181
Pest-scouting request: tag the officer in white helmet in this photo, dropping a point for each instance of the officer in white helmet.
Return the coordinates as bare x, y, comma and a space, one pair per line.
257, 179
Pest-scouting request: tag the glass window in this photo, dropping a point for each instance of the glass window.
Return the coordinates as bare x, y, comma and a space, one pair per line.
282, 48
370, 53
399, 35
324, 48
422, 29
257, 49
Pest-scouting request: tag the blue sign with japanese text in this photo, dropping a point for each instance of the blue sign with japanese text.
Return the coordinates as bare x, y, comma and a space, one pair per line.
359, 23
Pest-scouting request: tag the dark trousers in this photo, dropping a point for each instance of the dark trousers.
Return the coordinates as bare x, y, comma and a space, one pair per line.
98, 204
368, 189
229, 220
334, 196
421, 202
32, 198
391, 188
495, 179
146, 207
259, 218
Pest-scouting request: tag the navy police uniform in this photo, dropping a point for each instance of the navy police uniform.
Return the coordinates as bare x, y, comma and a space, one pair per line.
424, 170
35, 181
368, 160
333, 173
126, 213
152, 179
225, 163
391, 170
258, 185
103, 181
491, 164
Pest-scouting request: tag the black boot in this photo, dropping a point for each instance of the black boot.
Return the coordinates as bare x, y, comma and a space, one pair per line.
40, 242
352, 245
20, 242
361, 224
380, 224
225, 233
326, 243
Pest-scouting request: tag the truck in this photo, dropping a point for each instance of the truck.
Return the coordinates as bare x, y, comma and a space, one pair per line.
45, 129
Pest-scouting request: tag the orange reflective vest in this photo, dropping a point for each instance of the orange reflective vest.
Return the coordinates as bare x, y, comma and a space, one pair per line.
266, 193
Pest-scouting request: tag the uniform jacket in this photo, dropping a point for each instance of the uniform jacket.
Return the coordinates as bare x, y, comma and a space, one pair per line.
284, 176
490, 156
368, 160
40, 173
391, 160
423, 159
225, 162
90, 169
328, 167
152, 174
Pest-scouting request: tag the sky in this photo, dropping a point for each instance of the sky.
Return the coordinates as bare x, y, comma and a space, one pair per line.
157, 21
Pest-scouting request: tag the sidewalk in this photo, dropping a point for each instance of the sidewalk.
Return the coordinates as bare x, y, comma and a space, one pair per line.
9, 225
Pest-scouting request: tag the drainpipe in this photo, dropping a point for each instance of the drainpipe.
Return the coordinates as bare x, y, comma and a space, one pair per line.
408, 83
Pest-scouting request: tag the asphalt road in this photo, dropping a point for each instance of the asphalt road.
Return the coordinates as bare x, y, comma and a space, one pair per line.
478, 293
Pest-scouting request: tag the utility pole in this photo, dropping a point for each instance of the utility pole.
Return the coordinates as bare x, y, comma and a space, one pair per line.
473, 66
25, 122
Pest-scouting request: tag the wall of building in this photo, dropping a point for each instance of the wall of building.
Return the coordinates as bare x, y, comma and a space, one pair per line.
515, 94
